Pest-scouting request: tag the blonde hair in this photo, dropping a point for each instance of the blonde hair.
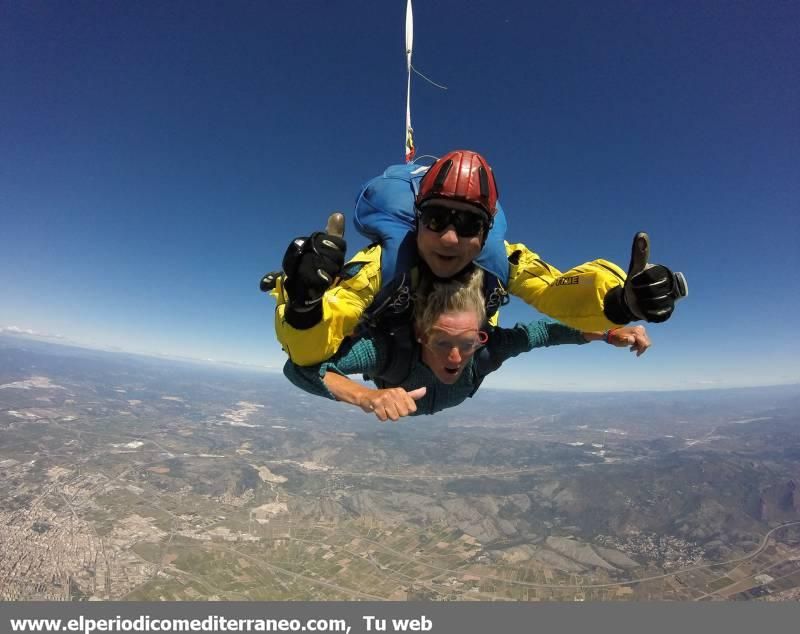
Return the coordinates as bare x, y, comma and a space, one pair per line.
435, 298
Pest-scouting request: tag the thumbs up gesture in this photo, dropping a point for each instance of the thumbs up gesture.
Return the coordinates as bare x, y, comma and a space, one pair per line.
391, 403
312, 263
651, 290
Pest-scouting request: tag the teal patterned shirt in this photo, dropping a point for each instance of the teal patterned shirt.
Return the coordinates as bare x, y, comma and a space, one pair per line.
367, 355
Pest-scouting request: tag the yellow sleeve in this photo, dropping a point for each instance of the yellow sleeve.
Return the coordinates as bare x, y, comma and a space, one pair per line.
574, 298
342, 307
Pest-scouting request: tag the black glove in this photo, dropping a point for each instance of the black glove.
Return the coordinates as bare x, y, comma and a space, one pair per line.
310, 265
269, 281
650, 290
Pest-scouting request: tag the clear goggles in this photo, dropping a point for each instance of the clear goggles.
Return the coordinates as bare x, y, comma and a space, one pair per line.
443, 341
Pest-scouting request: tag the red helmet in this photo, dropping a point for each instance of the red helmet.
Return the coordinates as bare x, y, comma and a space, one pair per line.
461, 175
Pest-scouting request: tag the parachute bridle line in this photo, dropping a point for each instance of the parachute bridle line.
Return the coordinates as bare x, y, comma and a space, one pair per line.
410, 148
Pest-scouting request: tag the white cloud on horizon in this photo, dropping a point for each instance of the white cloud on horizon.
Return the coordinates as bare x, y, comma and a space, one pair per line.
524, 379
15, 330
28, 332
535, 381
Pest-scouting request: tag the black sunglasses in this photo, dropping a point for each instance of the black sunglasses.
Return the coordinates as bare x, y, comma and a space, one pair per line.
467, 224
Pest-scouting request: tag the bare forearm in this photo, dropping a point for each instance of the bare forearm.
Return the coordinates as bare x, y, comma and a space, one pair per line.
634, 337
392, 403
345, 389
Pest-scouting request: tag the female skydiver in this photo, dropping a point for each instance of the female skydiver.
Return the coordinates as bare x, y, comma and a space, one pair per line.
452, 355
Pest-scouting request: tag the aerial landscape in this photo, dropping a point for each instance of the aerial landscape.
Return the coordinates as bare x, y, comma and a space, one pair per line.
128, 477
194, 191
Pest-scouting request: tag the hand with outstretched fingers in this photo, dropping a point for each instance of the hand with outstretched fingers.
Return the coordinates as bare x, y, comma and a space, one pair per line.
634, 337
650, 290
392, 403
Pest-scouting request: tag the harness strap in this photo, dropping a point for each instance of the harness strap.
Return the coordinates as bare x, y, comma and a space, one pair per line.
494, 294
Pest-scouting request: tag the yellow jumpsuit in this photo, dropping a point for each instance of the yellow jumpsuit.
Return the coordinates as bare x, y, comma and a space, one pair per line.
574, 298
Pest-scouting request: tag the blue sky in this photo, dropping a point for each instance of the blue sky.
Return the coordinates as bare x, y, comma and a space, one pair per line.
156, 158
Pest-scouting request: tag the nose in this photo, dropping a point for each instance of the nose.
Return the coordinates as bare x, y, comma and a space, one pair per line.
455, 355
449, 235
